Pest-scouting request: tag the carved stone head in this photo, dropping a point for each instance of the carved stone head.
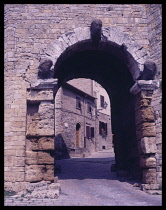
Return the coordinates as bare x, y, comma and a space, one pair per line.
96, 30
44, 68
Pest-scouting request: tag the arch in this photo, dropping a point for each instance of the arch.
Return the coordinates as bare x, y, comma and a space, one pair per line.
136, 54
124, 60
78, 126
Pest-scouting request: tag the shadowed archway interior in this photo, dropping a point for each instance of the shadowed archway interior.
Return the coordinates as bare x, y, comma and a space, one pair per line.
107, 64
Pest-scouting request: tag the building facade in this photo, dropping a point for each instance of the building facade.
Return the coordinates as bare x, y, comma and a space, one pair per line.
56, 38
83, 123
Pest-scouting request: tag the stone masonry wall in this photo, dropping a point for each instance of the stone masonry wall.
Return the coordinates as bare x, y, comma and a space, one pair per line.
154, 23
29, 29
68, 116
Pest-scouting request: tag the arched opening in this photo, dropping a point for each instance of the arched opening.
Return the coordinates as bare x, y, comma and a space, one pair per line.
108, 64
78, 126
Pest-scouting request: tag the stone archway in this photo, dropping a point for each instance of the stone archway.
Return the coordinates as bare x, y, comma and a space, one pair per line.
139, 54
127, 53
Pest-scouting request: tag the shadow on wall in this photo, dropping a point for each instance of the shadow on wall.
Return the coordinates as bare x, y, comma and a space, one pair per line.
60, 148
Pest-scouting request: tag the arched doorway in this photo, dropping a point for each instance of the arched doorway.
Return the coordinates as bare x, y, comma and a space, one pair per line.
78, 126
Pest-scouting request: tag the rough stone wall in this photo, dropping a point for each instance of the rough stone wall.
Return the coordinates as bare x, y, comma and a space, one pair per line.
69, 116
154, 23
154, 27
29, 29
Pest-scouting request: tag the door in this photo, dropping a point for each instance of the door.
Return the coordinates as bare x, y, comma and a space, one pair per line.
77, 134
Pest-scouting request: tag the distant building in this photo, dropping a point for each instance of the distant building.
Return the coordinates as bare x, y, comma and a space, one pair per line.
83, 125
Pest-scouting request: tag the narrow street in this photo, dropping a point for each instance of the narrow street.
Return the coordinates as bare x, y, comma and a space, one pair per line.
90, 182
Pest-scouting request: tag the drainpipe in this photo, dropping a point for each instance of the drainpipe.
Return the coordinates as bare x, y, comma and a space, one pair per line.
84, 118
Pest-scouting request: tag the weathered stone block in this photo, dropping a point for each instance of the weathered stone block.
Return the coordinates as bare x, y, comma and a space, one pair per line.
147, 162
158, 138
149, 176
44, 143
10, 152
40, 95
46, 110
42, 122
45, 158
142, 102
37, 186
14, 168
31, 158
147, 145
31, 154
20, 153
54, 186
48, 175
159, 178
144, 115
11, 176
19, 186
33, 173
8, 186
19, 161
146, 129
145, 187
8, 161
41, 128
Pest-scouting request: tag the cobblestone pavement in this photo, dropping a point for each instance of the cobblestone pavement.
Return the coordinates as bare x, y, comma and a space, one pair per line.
89, 182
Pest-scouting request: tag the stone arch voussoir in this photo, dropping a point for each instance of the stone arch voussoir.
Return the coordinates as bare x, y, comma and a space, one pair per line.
113, 34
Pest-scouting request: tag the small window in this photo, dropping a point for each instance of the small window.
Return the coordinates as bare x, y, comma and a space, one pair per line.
89, 132
78, 103
89, 107
92, 132
102, 128
102, 101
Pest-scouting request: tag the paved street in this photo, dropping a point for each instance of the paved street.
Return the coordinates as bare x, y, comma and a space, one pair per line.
90, 182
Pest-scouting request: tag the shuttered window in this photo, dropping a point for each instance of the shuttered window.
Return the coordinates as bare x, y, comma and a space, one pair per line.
78, 103
92, 132
89, 132
102, 101
89, 107
102, 128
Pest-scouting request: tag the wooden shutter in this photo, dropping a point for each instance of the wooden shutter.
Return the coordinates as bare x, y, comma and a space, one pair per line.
78, 103
100, 126
102, 101
88, 132
92, 132
89, 109
105, 128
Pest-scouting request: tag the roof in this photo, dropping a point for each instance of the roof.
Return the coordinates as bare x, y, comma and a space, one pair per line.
78, 91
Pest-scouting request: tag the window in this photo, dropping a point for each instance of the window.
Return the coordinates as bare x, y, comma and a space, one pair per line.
89, 107
92, 132
89, 132
78, 103
102, 128
102, 101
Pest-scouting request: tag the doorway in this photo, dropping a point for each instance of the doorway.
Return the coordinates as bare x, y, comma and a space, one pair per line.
78, 126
